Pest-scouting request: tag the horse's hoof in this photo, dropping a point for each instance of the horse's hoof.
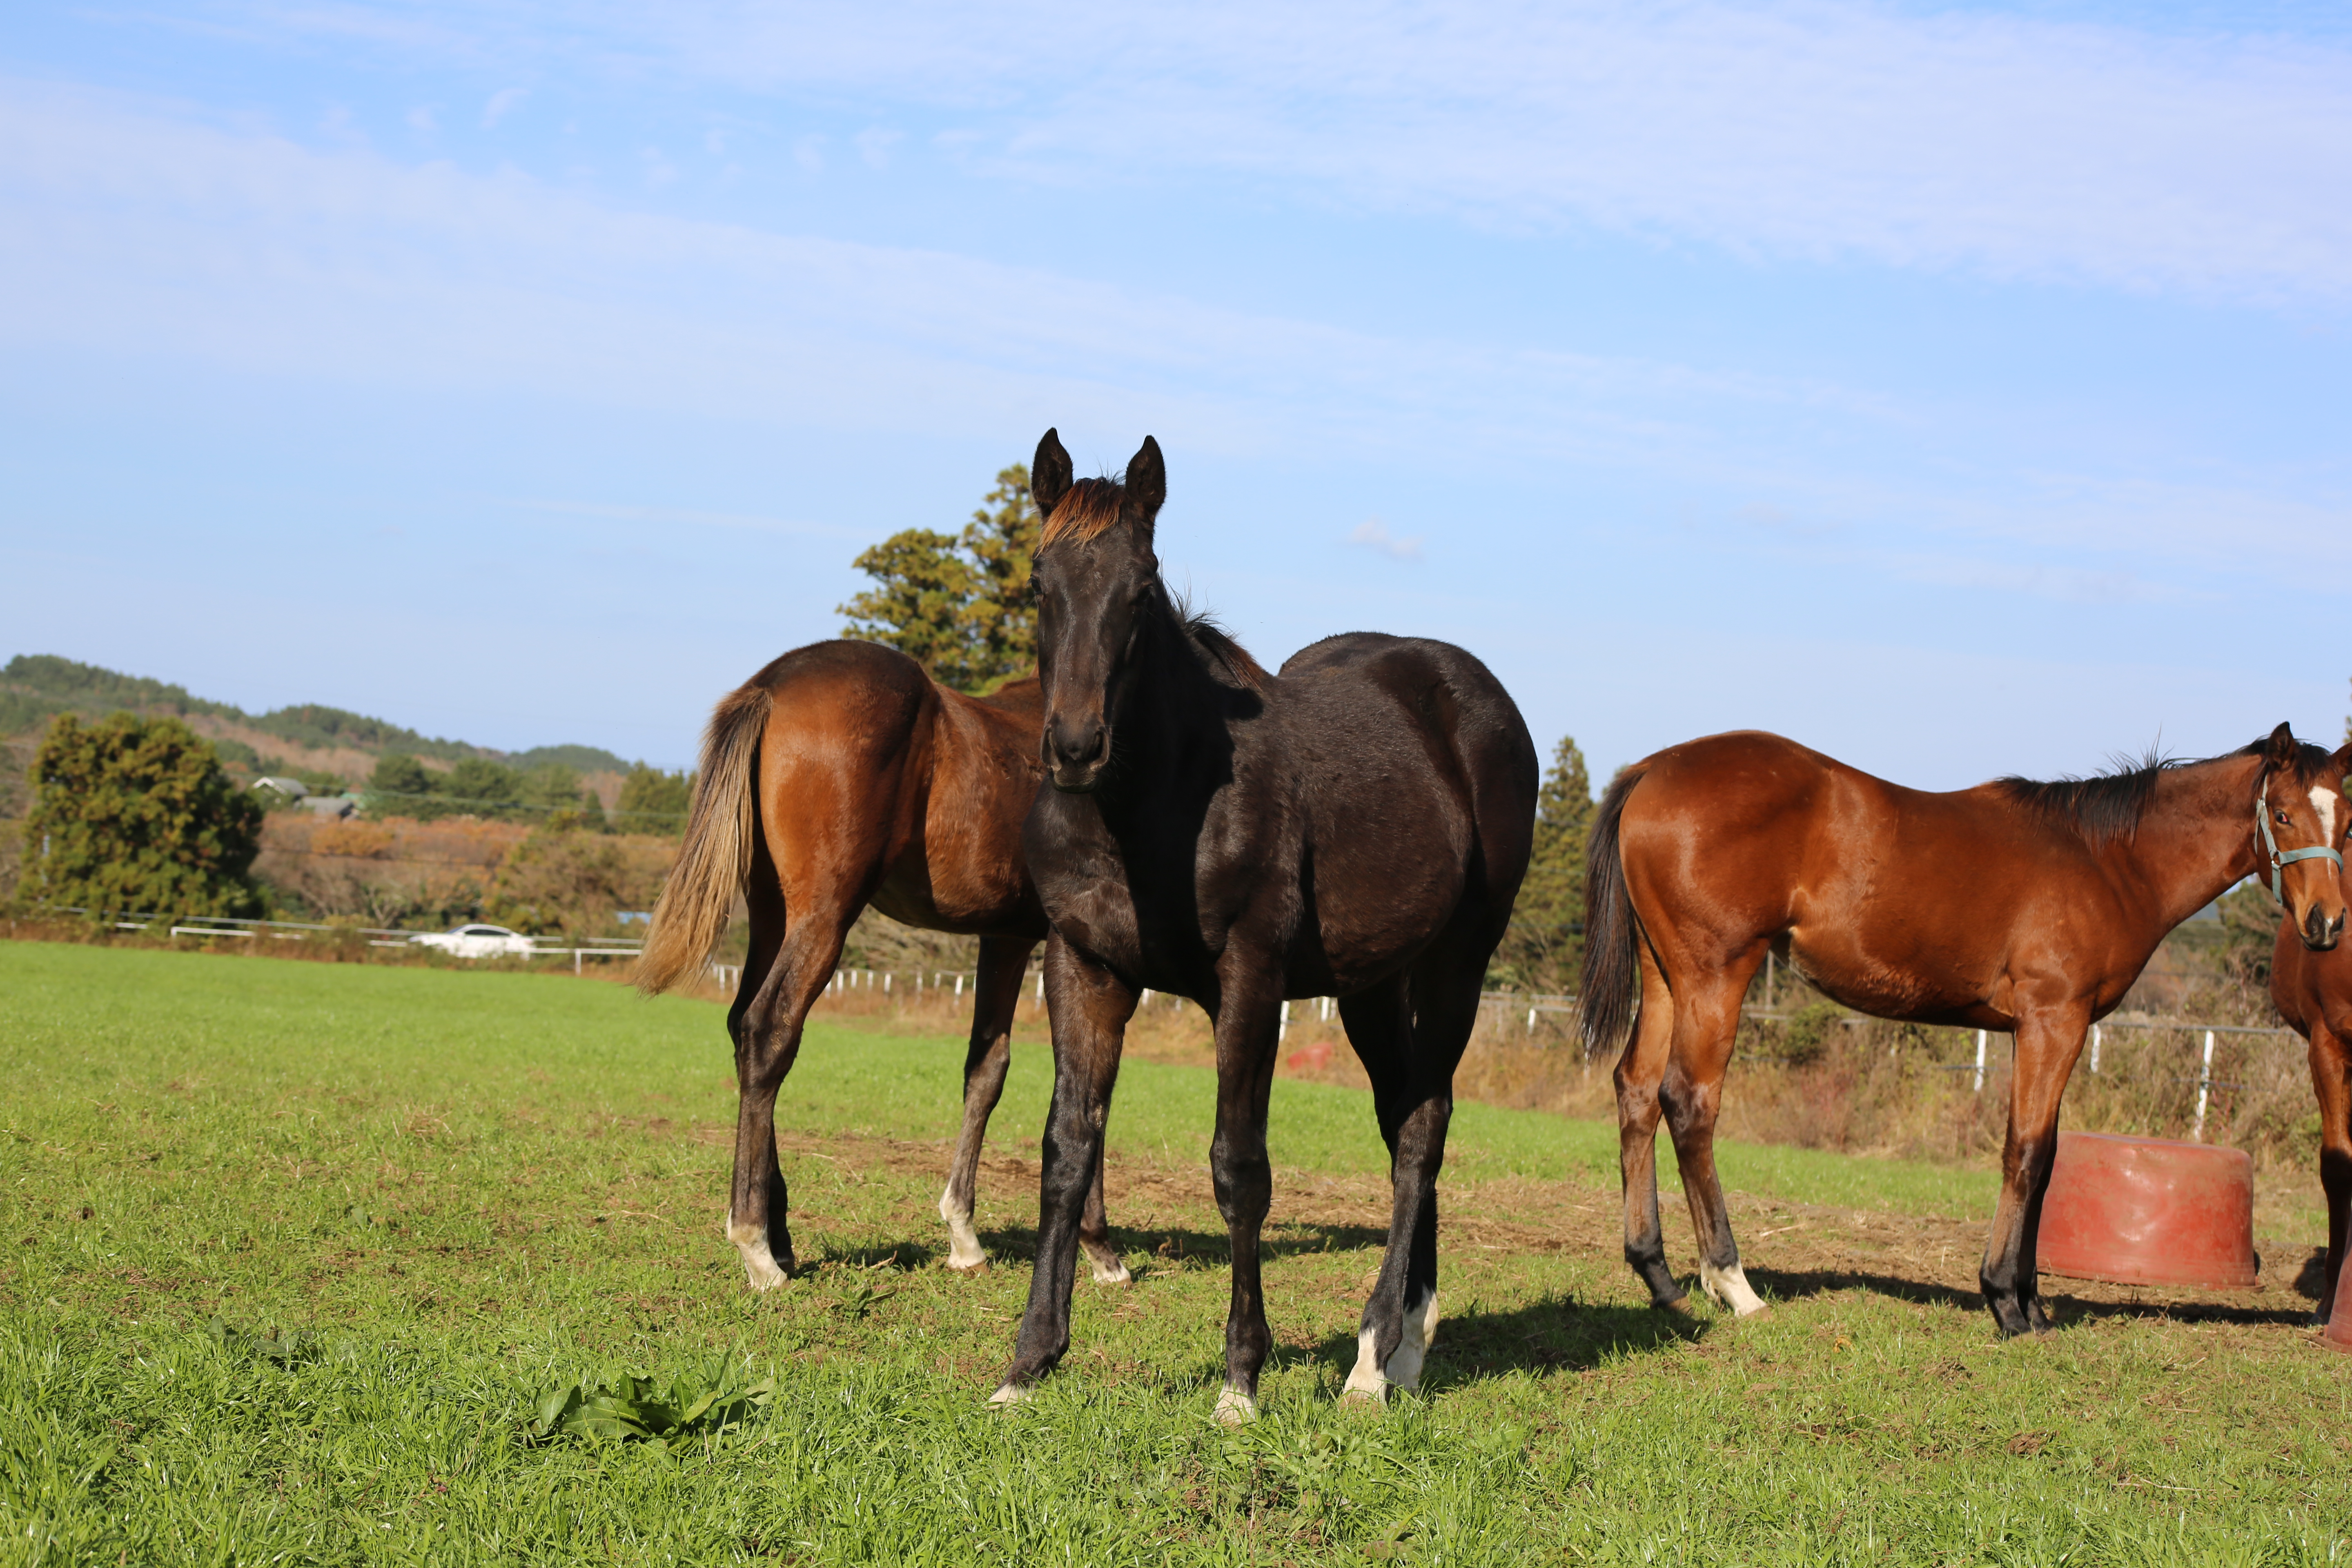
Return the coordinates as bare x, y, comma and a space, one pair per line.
968, 1265
1012, 1393
1680, 1306
1234, 1408
1116, 1274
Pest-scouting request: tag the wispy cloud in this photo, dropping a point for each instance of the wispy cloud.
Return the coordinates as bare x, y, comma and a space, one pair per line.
2005, 144
503, 103
1372, 535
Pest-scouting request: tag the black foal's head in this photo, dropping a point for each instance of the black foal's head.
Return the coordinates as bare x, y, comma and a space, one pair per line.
1097, 584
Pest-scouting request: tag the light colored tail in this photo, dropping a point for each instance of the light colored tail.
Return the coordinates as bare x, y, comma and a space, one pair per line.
716, 856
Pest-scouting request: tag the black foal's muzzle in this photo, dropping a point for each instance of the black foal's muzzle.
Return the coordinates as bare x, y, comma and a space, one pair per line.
1076, 752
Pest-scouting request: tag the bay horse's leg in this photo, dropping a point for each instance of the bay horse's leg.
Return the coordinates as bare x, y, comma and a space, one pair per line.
2331, 1082
1706, 1028
1089, 1007
2048, 1041
1639, 1072
788, 964
1249, 1016
997, 992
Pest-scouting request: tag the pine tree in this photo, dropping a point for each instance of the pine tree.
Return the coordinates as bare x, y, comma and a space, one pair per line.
959, 606
1544, 945
133, 814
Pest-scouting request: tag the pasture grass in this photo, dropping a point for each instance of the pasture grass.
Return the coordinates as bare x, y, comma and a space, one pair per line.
293, 1251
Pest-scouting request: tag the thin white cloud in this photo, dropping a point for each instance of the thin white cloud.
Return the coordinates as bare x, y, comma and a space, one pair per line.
1372, 535
2011, 145
127, 229
503, 103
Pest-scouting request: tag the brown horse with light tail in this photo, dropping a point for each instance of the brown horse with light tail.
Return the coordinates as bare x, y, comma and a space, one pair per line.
2017, 906
844, 775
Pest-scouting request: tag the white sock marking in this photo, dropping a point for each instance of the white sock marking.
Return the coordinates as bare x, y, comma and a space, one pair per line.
1008, 1395
1730, 1288
1405, 1366
1113, 1273
752, 1241
964, 1250
1233, 1407
1366, 1382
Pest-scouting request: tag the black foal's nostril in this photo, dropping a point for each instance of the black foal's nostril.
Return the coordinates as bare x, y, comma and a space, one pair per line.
1077, 746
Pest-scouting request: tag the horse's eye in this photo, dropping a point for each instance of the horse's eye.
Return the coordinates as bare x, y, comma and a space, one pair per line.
2282, 817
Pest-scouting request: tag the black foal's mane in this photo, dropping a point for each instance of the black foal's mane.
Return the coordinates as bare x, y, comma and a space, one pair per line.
1201, 628
2107, 806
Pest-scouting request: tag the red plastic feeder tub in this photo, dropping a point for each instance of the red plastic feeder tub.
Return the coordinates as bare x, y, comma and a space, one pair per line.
2149, 1211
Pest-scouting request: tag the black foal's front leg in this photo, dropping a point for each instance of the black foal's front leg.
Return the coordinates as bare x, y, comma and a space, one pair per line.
1248, 1021
1090, 1007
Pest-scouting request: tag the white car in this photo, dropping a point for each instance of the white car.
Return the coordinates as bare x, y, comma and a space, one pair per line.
477, 942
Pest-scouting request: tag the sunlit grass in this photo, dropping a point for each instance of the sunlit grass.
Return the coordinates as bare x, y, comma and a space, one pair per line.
295, 1248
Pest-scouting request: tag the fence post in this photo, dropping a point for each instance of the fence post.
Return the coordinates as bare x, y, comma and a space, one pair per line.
2094, 1048
1282, 1027
1041, 985
1531, 1020
958, 987
2204, 1087
575, 961
1981, 1055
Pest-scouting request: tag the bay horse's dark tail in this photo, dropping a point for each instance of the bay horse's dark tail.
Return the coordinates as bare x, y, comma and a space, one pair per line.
1612, 983
715, 860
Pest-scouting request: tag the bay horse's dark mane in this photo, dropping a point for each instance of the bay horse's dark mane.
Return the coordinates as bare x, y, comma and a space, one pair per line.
2107, 806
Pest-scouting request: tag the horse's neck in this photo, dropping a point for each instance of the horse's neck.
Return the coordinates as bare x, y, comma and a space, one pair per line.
1183, 712
2195, 837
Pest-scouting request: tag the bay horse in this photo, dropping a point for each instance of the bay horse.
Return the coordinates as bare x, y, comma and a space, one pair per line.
843, 775
2015, 905
1355, 827
2313, 992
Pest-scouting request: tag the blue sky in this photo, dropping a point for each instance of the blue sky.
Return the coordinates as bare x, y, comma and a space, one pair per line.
1960, 390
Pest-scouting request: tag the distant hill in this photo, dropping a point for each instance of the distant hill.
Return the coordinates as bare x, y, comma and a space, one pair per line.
36, 687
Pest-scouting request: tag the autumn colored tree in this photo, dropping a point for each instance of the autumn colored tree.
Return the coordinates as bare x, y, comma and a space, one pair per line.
132, 813
958, 603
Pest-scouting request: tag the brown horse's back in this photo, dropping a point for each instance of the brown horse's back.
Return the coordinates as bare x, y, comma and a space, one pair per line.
1831, 860
870, 771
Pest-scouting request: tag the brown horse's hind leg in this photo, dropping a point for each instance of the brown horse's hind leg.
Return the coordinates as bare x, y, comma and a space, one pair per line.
2048, 1041
997, 992
787, 967
1706, 1026
2331, 1081
1638, 1073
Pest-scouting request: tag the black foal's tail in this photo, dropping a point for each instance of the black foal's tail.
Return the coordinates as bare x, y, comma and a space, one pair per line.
1612, 982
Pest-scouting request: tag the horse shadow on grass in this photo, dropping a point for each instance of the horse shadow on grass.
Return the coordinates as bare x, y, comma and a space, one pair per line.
2066, 1307
1164, 1248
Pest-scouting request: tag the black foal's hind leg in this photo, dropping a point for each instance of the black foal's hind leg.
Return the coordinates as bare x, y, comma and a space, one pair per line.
997, 992
1090, 1009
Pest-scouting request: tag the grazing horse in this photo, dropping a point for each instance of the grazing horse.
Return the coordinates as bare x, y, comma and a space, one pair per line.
2313, 990
2014, 905
1356, 826
844, 775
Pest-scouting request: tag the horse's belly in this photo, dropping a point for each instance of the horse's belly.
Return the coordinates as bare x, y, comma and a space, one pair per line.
1877, 985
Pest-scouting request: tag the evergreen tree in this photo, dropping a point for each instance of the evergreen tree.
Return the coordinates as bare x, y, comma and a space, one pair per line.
1544, 944
959, 606
653, 801
132, 813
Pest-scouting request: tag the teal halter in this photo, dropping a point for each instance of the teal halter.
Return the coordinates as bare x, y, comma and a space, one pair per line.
2278, 862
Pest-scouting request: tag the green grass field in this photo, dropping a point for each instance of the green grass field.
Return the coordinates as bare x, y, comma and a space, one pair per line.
294, 1249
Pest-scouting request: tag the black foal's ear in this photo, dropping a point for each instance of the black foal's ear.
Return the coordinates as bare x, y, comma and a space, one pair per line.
1147, 482
1049, 475
2283, 751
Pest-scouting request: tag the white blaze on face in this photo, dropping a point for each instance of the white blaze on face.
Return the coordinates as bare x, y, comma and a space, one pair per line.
2323, 801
